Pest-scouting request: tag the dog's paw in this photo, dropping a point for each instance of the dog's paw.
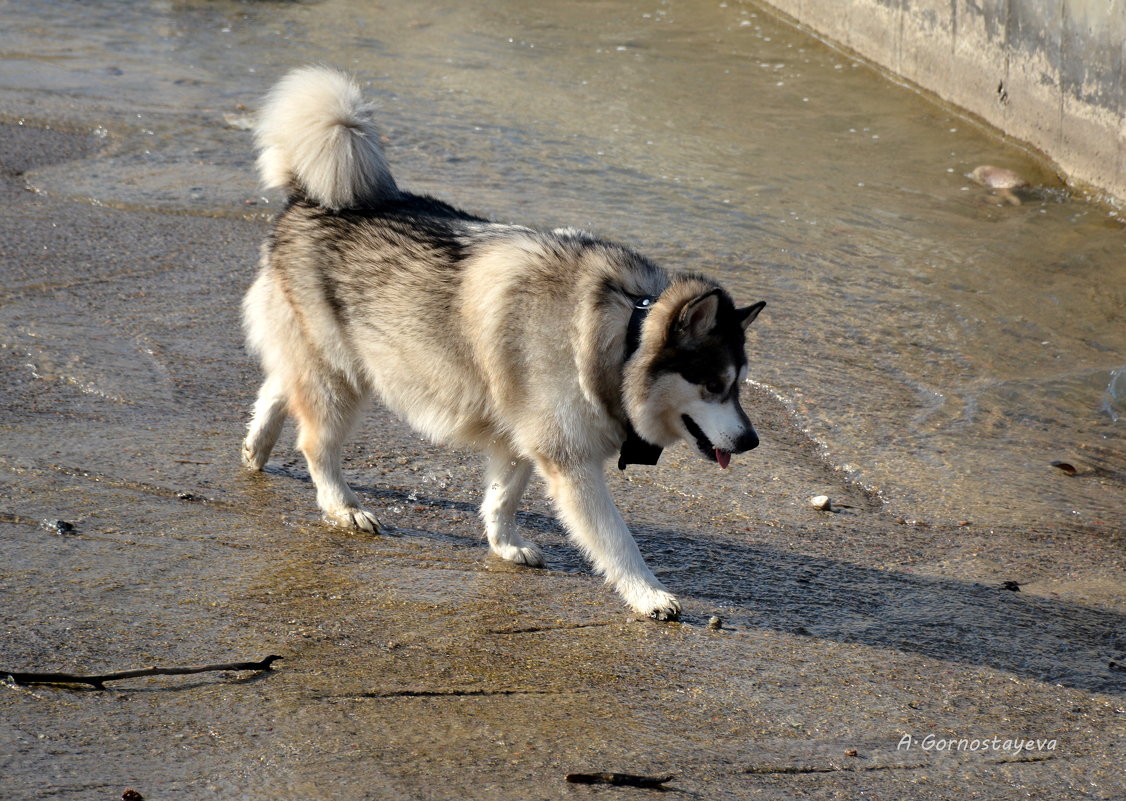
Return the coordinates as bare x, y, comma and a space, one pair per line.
655, 602
251, 460
526, 553
355, 517
365, 521
668, 612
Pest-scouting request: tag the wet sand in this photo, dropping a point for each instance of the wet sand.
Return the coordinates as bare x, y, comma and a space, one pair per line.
417, 666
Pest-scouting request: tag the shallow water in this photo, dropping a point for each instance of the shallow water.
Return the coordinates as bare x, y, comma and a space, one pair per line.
943, 347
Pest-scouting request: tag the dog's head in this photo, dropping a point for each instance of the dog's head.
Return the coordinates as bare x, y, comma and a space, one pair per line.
683, 381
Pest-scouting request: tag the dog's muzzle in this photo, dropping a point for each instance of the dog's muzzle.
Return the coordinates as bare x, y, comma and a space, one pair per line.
748, 440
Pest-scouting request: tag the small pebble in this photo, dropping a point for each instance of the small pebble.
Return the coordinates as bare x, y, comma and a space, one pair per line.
715, 622
57, 526
239, 122
821, 502
852, 752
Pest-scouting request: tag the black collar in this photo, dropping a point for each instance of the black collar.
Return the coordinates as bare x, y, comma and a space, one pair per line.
635, 450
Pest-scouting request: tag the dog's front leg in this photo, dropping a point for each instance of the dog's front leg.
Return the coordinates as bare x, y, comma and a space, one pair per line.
594, 523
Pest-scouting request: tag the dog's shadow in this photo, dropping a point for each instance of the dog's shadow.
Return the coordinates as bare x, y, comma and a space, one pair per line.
1050, 640
963, 622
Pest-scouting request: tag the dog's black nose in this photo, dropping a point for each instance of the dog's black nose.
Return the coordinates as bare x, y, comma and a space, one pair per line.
747, 441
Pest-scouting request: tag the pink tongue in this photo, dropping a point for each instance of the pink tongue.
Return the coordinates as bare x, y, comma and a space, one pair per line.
723, 457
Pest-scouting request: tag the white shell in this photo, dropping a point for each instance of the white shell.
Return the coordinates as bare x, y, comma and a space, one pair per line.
997, 177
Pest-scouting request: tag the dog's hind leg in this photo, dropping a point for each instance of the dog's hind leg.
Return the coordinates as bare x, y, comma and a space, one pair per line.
266, 423
326, 409
594, 523
506, 479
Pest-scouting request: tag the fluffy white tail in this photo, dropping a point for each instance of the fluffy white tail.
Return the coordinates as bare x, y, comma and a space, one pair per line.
315, 135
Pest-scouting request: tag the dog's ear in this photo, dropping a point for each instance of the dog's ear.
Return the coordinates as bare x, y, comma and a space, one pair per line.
697, 316
747, 316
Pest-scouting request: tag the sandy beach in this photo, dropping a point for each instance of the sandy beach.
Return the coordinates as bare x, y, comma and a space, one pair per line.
860, 654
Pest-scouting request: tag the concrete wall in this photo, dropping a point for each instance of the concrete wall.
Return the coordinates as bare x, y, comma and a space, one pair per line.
1051, 73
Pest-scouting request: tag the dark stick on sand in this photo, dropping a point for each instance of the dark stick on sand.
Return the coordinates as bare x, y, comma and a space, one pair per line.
98, 682
618, 779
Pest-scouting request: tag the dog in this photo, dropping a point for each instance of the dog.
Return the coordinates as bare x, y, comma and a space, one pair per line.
548, 351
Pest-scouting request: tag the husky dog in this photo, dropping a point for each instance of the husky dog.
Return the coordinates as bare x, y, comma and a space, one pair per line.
546, 351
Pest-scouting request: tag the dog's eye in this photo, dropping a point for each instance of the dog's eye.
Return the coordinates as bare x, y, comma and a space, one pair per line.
715, 387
